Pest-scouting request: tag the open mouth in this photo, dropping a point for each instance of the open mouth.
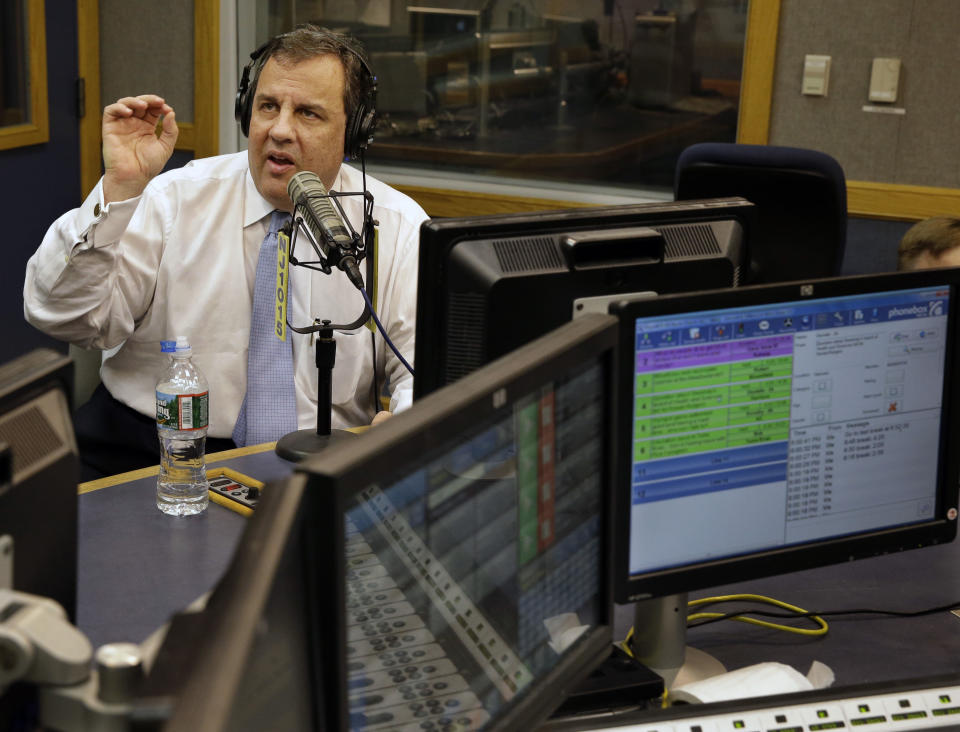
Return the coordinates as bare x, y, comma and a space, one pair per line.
279, 161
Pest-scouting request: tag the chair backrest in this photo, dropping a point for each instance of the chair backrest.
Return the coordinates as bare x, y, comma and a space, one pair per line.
86, 373
800, 195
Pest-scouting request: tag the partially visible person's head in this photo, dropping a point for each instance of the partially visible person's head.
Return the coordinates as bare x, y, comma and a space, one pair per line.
933, 242
310, 83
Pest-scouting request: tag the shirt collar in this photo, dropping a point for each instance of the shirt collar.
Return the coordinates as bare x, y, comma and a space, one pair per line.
256, 207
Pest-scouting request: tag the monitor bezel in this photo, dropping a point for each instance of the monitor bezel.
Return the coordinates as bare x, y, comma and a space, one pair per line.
341, 473
757, 565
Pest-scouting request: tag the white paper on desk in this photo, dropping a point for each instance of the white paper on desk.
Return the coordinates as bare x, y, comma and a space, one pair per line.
761, 679
564, 629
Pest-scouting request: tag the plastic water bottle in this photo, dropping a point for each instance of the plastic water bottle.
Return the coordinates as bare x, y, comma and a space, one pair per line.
183, 404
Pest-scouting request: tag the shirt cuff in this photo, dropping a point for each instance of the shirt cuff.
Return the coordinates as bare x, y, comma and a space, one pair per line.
101, 224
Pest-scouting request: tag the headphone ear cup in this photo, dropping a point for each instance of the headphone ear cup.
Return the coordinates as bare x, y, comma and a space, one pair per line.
243, 106
361, 125
355, 140
365, 128
241, 110
350, 135
245, 118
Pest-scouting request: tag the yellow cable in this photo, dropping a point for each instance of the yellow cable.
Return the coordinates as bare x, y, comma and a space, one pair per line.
822, 630
625, 643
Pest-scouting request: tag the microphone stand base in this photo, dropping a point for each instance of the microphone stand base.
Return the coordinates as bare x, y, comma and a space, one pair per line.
295, 446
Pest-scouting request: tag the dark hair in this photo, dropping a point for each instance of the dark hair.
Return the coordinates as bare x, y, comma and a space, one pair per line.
308, 41
933, 236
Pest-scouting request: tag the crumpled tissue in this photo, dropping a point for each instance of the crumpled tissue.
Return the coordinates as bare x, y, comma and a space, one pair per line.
761, 679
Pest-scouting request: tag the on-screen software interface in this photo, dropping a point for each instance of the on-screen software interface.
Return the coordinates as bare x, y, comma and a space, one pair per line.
765, 426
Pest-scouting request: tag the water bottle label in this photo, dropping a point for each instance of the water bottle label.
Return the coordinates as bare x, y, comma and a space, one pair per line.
183, 411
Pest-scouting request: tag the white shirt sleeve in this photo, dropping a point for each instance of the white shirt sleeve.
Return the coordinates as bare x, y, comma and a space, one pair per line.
82, 284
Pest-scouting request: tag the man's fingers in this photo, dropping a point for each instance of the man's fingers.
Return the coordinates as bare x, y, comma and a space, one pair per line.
169, 129
381, 417
142, 101
141, 106
117, 109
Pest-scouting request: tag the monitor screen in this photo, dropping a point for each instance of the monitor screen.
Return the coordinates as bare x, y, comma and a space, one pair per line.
776, 428
447, 570
493, 283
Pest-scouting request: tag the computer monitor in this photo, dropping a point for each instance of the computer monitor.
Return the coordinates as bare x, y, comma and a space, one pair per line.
449, 569
39, 470
433, 27
38, 478
489, 284
775, 428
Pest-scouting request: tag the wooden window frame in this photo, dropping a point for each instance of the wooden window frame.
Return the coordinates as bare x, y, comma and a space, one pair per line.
37, 130
199, 136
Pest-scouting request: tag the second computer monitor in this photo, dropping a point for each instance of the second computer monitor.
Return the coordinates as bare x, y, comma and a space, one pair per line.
776, 428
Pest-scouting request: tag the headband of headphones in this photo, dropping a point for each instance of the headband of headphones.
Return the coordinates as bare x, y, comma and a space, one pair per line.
360, 124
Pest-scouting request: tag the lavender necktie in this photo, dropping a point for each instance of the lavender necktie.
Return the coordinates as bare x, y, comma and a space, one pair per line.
269, 409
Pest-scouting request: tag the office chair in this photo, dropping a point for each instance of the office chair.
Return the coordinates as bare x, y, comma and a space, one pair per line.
801, 198
86, 373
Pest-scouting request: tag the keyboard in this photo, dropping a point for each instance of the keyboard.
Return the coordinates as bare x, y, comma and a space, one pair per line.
905, 705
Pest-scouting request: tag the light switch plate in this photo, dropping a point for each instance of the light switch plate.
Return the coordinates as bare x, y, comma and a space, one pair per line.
816, 75
884, 80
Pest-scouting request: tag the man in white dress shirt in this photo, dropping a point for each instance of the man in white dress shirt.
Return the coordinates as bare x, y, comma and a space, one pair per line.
150, 256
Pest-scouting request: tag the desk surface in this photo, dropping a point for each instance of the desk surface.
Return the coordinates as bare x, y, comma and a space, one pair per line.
859, 649
138, 566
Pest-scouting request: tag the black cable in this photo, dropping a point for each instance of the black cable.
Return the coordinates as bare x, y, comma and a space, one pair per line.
383, 332
832, 613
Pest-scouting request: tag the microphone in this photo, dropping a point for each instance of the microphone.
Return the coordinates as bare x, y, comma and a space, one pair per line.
307, 192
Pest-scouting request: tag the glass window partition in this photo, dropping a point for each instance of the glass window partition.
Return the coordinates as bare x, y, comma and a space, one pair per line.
606, 91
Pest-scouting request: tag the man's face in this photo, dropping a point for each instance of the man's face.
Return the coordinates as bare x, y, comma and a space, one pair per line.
297, 123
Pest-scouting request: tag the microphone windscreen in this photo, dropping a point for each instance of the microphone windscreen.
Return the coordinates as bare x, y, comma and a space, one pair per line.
304, 183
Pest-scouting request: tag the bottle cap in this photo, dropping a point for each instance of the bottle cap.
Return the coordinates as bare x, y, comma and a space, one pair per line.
180, 346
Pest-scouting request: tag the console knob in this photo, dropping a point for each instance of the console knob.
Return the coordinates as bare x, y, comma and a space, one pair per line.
120, 670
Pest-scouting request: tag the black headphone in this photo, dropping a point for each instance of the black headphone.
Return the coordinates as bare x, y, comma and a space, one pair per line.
359, 130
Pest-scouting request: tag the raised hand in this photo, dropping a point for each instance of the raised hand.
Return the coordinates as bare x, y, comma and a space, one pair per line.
133, 153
